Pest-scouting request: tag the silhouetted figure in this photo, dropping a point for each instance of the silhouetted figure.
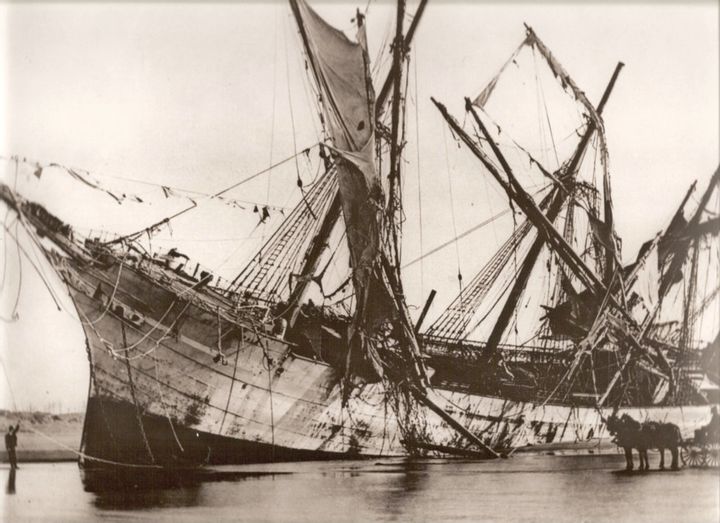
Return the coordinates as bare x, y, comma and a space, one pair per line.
714, 426
711, 431
11, 443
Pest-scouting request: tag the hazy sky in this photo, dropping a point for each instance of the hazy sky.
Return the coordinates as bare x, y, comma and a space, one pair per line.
184, 94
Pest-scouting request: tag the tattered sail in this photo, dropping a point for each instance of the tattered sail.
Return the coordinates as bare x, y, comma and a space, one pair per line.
550, 336
566, 264
689, 282
531, 273
341, 71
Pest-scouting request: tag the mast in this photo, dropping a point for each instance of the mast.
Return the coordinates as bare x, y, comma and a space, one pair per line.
522, 278
395, 146
312, 259
582, 145
385, 90
677, 261
686, 329
518, 194
556, 205
610, 254
552, 236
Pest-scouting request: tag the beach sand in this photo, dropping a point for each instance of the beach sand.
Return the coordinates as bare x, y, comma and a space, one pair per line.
43, 436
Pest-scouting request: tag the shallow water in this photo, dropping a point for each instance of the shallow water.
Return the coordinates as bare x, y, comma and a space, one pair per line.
523, 488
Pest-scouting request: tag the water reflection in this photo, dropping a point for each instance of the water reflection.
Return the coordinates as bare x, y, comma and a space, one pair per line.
402, 483
10, 488
581, 487
130, 489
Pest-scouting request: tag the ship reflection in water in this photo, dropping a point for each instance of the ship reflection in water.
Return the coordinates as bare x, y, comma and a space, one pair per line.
524, 488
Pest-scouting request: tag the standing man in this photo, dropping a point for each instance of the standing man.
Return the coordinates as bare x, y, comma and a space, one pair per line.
11, 443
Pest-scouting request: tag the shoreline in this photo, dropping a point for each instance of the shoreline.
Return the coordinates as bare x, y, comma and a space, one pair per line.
62, 432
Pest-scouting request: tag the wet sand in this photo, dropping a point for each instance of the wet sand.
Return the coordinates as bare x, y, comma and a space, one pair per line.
61, 431
521, 489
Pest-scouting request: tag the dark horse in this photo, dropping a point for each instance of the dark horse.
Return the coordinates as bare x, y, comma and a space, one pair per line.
631, 434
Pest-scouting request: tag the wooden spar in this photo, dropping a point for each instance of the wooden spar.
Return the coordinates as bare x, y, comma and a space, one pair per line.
677, 261
425, 310
395, 146
303, 33
689, 192
711, 227
458, 130
389, 80
444, 449
614, 379
692, 286
690, 297
407, 338
553, 237
398, 52
667, 280
544, 226
651, 315
610, 254
319, 78
312, 258
522, 277
422, 398
582, 145
529, 207
558, 201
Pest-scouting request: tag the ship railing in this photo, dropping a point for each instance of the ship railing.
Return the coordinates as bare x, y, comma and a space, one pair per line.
439, 346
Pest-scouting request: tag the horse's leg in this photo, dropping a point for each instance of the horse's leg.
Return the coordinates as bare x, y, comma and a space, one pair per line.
628, 459
662, 458
674, 452
645, 459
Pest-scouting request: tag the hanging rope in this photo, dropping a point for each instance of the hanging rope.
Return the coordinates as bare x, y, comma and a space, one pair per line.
268, 364
112, 296
232, 381
151, 228
63, 445
290, 105
547, 113
452, 212
14, 316
419, 177
40, 273
159, 388
138, 414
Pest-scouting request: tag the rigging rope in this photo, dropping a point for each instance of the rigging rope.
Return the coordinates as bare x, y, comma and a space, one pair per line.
37, 269
166, 220
452, 211
466, 233
419, 177
63, 445
14, 314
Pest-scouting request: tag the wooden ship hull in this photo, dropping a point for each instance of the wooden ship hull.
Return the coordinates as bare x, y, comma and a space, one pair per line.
159, 395
184, 374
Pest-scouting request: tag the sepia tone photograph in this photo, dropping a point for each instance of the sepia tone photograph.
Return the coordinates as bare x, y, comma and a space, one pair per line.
323, 261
